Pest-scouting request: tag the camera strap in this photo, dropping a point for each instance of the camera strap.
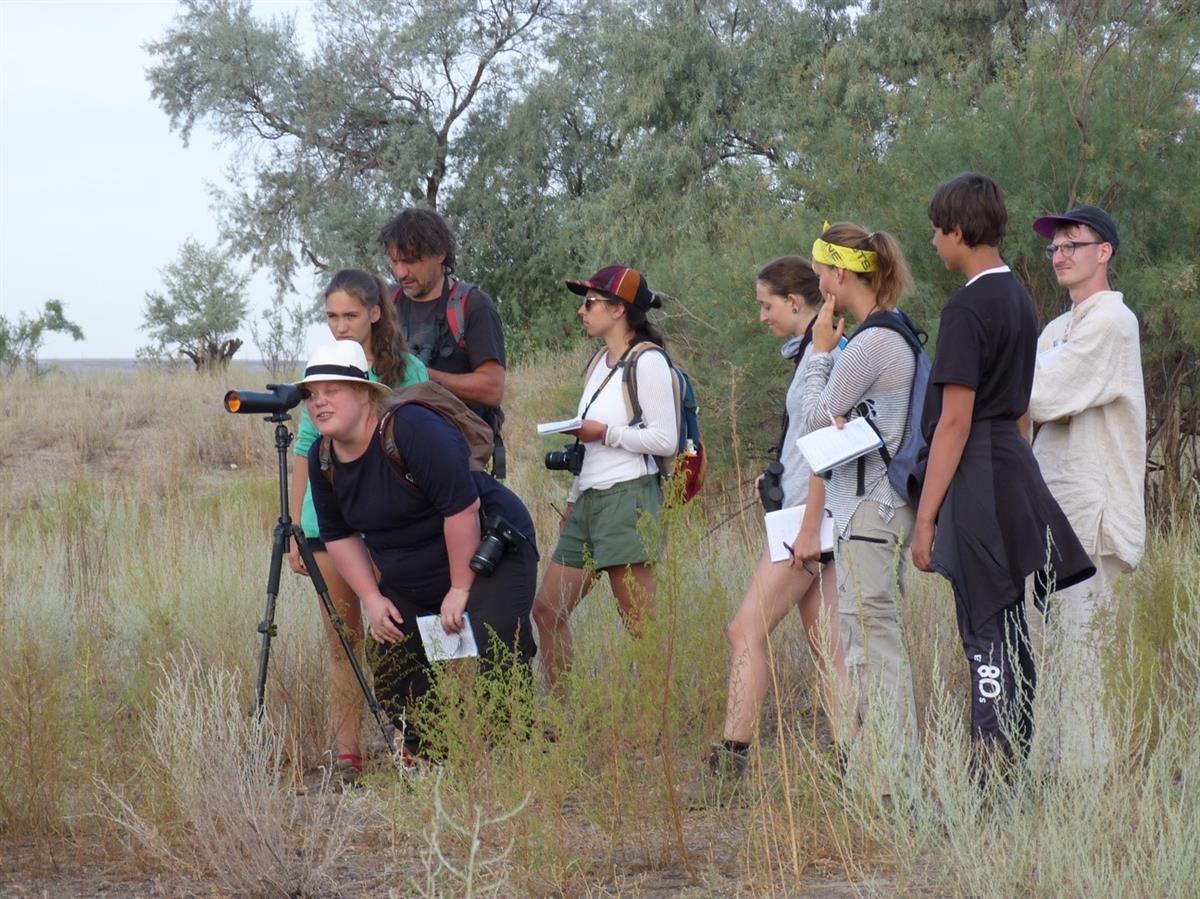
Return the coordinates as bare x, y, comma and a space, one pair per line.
608, 377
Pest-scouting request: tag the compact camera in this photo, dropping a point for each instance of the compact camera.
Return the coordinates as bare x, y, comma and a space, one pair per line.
770, 488
499, 536
569, 458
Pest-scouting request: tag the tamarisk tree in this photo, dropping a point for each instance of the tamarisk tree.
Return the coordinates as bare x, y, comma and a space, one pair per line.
199, 311
337, 137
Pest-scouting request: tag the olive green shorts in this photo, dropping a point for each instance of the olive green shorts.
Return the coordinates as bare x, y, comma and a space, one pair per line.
607, 527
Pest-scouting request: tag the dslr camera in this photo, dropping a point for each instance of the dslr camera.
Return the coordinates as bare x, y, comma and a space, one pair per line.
770, 488
569, 458
499, 536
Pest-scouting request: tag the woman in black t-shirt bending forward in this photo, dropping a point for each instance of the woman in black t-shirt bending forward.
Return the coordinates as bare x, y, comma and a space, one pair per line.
419, 529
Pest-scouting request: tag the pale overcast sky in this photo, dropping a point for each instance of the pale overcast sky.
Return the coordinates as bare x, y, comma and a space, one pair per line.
96, 192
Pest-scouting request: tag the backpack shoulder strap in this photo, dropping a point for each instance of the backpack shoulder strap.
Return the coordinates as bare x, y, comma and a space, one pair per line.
325, 456
387, 434
592, 363
899, 322
629, 377
387, 438
456, 311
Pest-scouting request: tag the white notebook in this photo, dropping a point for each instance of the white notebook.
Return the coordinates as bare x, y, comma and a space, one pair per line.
830, 447
784, 524
440, 646
557, 427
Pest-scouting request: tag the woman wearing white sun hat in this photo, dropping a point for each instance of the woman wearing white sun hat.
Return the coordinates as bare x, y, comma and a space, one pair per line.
419, 531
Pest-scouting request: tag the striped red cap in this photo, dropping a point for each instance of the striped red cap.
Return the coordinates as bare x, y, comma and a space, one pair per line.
618, 282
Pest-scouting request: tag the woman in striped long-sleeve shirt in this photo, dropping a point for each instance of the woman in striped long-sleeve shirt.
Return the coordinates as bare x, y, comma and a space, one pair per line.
864, 274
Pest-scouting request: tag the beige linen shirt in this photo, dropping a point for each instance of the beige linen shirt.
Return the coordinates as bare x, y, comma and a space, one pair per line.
1089, 400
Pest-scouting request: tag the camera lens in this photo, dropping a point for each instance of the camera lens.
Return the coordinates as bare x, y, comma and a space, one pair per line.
487, 555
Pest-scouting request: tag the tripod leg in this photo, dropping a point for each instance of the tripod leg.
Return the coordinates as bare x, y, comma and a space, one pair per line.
266, 627
339, 627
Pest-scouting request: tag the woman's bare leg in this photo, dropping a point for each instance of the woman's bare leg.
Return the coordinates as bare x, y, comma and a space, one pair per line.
774, 589
560, 592
635, 589
819, 612
347, 700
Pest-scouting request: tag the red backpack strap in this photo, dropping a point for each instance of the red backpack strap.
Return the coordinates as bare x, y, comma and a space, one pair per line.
456, 311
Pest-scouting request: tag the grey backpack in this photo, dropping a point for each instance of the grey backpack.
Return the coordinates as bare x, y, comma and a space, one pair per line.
905, 470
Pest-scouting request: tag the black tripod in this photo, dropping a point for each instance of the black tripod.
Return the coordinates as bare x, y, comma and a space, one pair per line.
285, 530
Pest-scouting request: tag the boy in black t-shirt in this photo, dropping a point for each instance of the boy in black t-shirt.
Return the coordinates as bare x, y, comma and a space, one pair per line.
986, 519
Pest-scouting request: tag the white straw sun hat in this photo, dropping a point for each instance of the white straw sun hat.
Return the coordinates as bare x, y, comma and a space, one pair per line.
340, 360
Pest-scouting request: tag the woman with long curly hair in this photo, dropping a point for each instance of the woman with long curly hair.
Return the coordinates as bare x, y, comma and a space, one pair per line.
356, 308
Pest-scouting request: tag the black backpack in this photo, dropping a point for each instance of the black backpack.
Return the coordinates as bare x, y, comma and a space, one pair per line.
905, 470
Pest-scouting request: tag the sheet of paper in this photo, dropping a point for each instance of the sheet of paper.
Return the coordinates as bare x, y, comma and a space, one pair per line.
441, 646
830, 447
557, 427
784, 524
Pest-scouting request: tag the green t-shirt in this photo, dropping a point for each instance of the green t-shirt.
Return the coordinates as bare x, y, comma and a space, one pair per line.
414, 372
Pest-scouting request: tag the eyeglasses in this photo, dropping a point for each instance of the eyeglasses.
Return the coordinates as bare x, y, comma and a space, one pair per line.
589, 302
1068, 247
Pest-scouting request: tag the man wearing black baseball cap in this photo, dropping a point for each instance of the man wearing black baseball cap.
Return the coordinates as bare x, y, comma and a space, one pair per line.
1090, 405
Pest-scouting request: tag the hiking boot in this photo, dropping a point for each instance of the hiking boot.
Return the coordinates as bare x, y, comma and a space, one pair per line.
722, 781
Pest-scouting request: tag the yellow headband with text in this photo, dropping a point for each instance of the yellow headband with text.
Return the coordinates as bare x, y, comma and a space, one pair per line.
842, 257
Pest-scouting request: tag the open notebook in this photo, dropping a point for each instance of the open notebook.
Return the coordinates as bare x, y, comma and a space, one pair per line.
830, 447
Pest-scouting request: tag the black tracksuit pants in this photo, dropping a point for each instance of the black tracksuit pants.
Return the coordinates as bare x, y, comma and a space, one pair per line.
1003, 678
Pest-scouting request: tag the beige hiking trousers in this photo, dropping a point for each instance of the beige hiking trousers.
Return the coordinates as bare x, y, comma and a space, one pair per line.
872, 556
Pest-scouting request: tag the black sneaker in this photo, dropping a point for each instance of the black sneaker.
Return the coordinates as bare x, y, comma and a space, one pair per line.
722, 781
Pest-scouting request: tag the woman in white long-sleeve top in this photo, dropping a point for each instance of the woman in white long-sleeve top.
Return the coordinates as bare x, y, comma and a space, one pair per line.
613, 459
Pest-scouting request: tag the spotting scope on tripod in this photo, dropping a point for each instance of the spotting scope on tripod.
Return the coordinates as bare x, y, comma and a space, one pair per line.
277, 401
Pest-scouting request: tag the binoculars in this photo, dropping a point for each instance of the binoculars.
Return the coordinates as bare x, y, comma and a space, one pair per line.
770, 487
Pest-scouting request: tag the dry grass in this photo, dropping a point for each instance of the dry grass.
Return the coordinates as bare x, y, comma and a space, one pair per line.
136, 526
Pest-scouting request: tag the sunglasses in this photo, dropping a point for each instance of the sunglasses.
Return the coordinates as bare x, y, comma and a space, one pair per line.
589, 302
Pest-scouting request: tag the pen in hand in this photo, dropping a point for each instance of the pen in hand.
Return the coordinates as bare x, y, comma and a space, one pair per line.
792, 553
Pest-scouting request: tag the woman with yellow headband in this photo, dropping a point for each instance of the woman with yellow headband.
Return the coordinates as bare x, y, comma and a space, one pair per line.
863, 274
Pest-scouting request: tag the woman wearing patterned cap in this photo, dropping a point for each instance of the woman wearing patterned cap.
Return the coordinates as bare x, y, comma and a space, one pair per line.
616, 484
